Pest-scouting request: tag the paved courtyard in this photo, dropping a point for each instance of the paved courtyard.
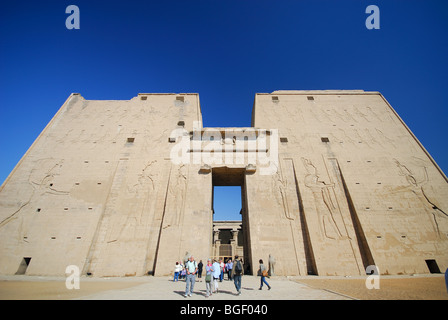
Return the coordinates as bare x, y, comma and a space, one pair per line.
155, 288
420, 287
164, 288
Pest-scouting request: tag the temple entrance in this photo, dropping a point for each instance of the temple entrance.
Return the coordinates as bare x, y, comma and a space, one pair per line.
230, 228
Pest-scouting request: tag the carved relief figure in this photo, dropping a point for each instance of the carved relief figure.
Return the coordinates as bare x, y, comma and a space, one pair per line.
41, 179
176, 196
326, 208
143, 193
281, 184
417, 181
43, 183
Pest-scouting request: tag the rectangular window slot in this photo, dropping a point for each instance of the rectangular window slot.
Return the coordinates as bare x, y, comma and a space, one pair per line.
378, 237
144, 98
76, 183
53, 238
171, 140
283, 139
181, 123
403, 237
66, 209
432, 266
23, 265
310, 98
390, 208
274, 99
179, 98
78, 238
324, 139
90, 208
130, 140
367, 208
99, 183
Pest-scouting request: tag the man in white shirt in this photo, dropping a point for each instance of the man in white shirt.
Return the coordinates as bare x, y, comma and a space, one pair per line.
216, 274
191, 267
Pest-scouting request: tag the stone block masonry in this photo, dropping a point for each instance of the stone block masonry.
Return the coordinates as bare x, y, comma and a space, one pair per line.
332, 182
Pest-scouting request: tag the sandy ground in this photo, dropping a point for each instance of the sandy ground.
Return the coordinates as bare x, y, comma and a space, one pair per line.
390, 288
55, 290
424, 287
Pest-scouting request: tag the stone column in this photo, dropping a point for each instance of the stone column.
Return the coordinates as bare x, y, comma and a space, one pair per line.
216, 242
234, 242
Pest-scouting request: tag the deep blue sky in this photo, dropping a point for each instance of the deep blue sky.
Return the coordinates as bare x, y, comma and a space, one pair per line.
224, 50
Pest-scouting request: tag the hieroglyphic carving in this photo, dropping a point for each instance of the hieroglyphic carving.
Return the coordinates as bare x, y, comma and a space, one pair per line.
384, 139
344, 115
361, 114
326, 205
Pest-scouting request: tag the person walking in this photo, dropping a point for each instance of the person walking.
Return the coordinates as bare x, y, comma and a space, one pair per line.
191, 268
229, 267
263, 274
237, 271
216, 274
200, 266
222, 266
446, 279
177, 270
183, 273
208, 278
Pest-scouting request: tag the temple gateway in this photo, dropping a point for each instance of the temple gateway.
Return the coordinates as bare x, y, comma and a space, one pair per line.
332, 182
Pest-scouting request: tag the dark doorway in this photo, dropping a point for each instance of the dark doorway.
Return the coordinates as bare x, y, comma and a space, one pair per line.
432, 266
231, 181
23, 266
